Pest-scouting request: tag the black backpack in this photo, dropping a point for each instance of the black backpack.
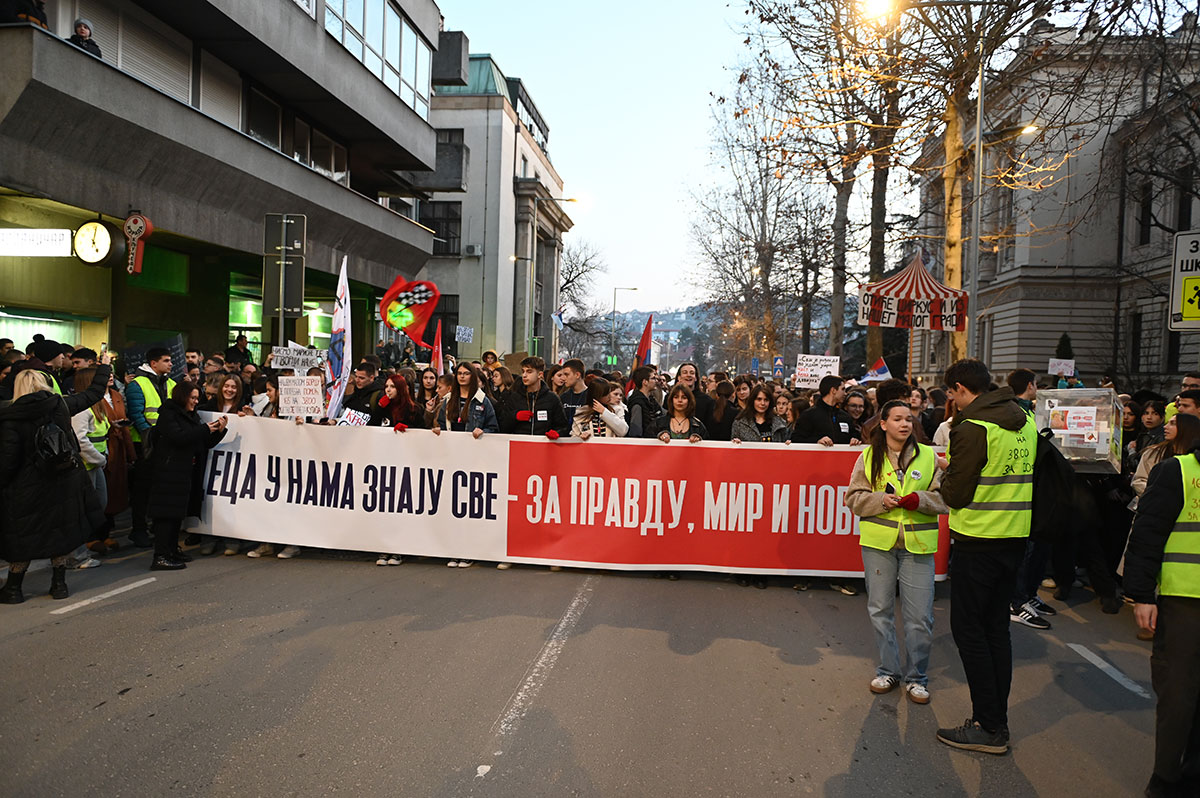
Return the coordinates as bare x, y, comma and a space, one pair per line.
53, 449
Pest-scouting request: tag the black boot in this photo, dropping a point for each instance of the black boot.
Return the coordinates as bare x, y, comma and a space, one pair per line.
58, 583
11, 592
180, 556
163, 562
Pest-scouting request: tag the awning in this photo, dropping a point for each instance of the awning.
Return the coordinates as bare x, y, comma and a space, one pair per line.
912, 299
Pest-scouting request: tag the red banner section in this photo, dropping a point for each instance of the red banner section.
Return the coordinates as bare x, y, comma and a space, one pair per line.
678, 506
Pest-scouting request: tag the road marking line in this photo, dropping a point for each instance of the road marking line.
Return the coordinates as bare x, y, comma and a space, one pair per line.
103, 596
537, 674
1108, 670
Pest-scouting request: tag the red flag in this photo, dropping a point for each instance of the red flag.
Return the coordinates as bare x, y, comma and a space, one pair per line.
408, 306
437, 350
643, 354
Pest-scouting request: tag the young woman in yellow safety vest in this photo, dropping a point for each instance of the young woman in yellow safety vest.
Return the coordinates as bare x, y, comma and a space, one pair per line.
894, 492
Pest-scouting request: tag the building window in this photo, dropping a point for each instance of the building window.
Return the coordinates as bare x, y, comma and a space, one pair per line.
1135, 343
387, 44
524, 166
445, 220
450, 136
1145, 213
262, 118
1172, 352
300, 137
1183, 200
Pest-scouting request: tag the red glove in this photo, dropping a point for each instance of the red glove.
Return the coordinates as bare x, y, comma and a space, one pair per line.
551, 434
384, 401
524, 415
401, 427
910, 502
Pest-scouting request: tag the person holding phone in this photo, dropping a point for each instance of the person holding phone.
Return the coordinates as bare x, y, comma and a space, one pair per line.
894, 491
181, 444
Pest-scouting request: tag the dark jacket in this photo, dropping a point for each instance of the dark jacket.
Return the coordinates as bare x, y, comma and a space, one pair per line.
721, 429
543, 404
181, 444
31, 11
824, 421
365, 400
1157, 510
572, 401
45, 514
643, 413
135, 400
968, 449
381, 416
663, 424
704, 408
88, 44
746, 430
235, 355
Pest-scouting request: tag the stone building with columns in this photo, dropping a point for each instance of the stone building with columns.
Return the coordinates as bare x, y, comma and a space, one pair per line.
497, 248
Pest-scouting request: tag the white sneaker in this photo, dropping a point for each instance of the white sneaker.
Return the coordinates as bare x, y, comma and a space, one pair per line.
288, 552
1049, 583
394, 559
884, 684
231, 549
465, 563
503, 566
263, 550
917, 693
382, 560
452, 564
556, 568
88, 562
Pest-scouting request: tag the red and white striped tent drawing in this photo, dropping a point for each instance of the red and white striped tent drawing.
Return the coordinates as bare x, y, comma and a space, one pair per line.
912, 299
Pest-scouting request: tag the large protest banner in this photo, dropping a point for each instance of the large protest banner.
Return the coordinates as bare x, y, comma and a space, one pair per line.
622, 504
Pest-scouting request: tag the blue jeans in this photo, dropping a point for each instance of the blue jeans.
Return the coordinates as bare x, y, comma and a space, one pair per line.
914, 572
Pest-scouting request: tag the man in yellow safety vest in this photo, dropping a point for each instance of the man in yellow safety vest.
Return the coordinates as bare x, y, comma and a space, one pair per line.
1163, 557
144, 396
988, 487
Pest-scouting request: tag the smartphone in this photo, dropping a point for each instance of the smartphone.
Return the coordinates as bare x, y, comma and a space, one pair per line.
103, 347
890, 488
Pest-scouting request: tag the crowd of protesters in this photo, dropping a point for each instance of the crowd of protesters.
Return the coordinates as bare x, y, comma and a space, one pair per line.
99, 445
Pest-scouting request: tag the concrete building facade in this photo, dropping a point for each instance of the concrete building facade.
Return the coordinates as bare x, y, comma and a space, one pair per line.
204, 117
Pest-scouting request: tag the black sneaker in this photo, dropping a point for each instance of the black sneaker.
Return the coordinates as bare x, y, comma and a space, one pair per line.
972, 737
165, 563
1041, 607
1025, 614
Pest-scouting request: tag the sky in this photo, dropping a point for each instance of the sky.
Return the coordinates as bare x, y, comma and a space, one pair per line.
625, 88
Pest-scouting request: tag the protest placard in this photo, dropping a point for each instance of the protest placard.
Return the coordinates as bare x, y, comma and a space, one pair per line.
464, 335
297, 359
811, 368
302, 396
1059, 366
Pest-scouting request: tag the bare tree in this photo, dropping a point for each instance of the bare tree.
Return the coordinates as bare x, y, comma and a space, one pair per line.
587, 327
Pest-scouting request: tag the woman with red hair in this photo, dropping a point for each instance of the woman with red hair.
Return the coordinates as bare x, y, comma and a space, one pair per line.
396, 408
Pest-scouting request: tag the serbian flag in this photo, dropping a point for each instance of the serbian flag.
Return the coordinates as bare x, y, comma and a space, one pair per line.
437, 350
643, 354
878, 373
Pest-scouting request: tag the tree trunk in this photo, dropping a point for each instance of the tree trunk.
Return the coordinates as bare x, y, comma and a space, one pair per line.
952, 177
806, 314
880, 162
841, 223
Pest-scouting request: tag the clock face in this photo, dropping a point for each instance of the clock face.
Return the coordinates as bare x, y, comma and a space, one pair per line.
93, 242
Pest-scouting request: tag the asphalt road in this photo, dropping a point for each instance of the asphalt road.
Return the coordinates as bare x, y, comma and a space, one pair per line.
319, 676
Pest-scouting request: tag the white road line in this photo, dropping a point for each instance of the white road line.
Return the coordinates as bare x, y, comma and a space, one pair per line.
103, 596
535, 678
1108, 670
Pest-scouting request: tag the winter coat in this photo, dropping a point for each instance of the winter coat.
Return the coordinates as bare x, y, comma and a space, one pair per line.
181, 444
824, 421
481, 414
381, 416
543, 404
88, 44
1158, 509
643, 412
613, 422
364, 400
45, 514
745, 429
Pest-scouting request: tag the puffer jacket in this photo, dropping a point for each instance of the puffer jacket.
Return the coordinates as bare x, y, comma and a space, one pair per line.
546, 412
45, 514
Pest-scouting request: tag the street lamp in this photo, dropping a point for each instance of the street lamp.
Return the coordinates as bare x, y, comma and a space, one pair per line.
613, 340
533, 268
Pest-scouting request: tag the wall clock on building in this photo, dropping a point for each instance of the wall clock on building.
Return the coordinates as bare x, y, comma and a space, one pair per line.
98, 243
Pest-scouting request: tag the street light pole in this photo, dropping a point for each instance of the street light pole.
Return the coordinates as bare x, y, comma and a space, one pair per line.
613, 340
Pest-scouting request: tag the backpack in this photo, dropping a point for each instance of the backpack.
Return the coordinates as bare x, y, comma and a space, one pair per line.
53, 449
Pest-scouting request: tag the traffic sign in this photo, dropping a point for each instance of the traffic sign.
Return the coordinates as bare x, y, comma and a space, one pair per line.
777, 366
1185, 282
754, 366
